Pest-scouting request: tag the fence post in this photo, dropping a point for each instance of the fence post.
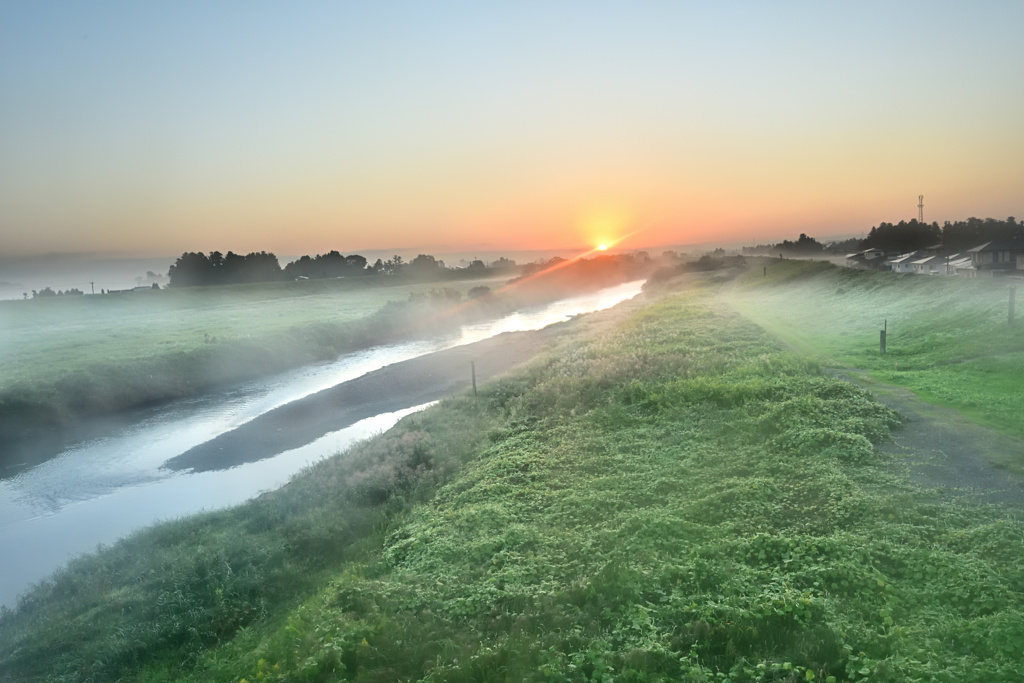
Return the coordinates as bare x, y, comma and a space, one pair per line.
881, 341
472, 370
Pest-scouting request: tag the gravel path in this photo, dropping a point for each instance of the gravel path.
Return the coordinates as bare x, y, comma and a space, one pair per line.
943, 449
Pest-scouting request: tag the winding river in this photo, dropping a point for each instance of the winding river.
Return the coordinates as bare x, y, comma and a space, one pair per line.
103, 488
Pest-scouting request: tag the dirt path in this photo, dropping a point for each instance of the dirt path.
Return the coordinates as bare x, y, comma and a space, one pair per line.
941, 448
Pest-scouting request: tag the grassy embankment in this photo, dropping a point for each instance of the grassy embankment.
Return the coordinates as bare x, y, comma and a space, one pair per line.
64, 358
948, 339
675, 498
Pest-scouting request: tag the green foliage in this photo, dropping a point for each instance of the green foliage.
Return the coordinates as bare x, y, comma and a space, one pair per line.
675, 498
948, 339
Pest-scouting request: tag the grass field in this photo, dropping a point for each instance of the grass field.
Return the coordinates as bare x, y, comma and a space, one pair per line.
65, 358
45, 339
948, 339
669, 495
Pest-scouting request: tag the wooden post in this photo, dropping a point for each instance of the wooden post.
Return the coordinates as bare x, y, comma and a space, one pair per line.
1013, 295
766, 271
881, 341
472, 370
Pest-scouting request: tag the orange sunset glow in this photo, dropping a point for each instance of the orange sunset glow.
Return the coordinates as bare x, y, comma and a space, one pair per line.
447, 129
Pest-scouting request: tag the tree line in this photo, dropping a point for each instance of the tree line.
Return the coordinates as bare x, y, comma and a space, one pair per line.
47, 291
904, 237
803, 246
193, 269
907, 236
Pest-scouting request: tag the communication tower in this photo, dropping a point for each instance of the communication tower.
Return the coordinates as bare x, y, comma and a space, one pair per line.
920, 208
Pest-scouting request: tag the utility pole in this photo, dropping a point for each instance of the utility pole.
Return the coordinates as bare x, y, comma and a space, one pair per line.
920, 208
93, 285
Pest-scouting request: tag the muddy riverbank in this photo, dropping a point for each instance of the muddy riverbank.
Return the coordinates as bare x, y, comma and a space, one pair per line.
395, 387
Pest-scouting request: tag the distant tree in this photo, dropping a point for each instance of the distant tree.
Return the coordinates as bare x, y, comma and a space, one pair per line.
974, 232
261, 267
355, 265
903, 237
44, 292
394, 265
537, 266
503, 264
425, 264
847, 246
193, 269
804, 246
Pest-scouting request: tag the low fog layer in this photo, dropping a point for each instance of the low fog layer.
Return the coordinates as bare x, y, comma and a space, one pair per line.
19, 276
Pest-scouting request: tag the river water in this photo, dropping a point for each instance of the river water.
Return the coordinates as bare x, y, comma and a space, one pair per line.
103, 488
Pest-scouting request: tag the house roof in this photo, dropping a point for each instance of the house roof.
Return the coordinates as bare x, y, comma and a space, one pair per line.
999, 245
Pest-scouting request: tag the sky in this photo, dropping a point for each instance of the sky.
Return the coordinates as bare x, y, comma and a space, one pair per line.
150, 129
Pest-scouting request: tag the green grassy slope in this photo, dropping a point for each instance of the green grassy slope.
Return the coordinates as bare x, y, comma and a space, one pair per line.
675, 498
948, 339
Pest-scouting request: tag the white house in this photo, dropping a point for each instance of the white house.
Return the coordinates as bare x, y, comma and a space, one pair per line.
929, 265
902, 263
869, 258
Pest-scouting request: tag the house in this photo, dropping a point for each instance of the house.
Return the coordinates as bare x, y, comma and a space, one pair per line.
868, 259
996, 258
903, 262
929, 265
954, 262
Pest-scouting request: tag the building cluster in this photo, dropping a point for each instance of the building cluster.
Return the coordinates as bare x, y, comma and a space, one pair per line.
991, 259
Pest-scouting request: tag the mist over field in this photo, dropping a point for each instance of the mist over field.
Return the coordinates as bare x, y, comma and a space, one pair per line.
21, 275
562, 342
719, 475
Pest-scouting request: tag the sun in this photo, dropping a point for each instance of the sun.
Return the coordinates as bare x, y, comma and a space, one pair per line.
602, 247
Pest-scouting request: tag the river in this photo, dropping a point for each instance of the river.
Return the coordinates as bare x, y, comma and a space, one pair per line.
105, 487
